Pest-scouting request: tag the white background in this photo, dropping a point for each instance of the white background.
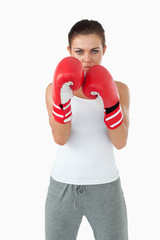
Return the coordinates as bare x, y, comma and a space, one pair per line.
33, 40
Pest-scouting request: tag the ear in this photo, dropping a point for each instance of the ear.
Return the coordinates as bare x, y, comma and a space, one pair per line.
104, 49
69, 49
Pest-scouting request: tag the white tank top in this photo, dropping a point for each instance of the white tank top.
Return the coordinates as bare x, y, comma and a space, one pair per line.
88, 156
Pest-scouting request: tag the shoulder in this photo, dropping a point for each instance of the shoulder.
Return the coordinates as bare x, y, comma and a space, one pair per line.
48, 94
123, 90
122, 87
49, 90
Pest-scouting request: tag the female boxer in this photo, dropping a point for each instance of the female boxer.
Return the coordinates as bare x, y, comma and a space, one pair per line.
89, 116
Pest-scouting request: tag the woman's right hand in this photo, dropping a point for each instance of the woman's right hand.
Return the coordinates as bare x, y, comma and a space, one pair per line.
68, 77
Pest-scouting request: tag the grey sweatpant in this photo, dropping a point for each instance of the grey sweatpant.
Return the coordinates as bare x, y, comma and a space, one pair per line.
102, 204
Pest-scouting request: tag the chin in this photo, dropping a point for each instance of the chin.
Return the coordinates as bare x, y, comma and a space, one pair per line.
85, 71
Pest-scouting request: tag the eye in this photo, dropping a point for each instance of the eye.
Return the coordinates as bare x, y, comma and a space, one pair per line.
79, 51
95, 51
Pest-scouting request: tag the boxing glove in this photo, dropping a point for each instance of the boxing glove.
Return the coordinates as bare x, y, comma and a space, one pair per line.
68, 77
99, 83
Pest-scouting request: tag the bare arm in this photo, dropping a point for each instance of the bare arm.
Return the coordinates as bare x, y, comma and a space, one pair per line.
119, 135
60, 132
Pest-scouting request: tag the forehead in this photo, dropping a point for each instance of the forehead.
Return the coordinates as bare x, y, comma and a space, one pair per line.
86, 41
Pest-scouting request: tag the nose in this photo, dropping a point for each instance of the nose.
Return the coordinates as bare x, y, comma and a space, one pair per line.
87, 58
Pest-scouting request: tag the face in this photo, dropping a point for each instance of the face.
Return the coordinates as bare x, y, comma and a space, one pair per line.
88, 49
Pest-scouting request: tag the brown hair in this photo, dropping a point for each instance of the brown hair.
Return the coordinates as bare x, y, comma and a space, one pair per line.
85, 27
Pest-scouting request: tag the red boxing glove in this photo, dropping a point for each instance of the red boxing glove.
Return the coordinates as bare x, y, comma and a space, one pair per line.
68, 76
99, 83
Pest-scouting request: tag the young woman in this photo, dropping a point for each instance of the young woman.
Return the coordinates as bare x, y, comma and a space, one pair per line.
85, 180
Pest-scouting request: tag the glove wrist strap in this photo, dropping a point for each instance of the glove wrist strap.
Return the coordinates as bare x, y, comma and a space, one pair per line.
113, 118
62, 113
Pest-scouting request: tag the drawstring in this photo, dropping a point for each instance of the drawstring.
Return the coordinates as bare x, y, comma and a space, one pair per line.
79, 189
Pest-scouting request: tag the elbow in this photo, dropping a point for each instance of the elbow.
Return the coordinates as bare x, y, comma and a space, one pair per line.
120, 145
59, 141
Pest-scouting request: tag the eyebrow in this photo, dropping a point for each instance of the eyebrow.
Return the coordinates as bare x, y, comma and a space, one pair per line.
91, 48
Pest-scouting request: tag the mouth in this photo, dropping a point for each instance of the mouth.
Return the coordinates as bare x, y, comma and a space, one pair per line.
86, 67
